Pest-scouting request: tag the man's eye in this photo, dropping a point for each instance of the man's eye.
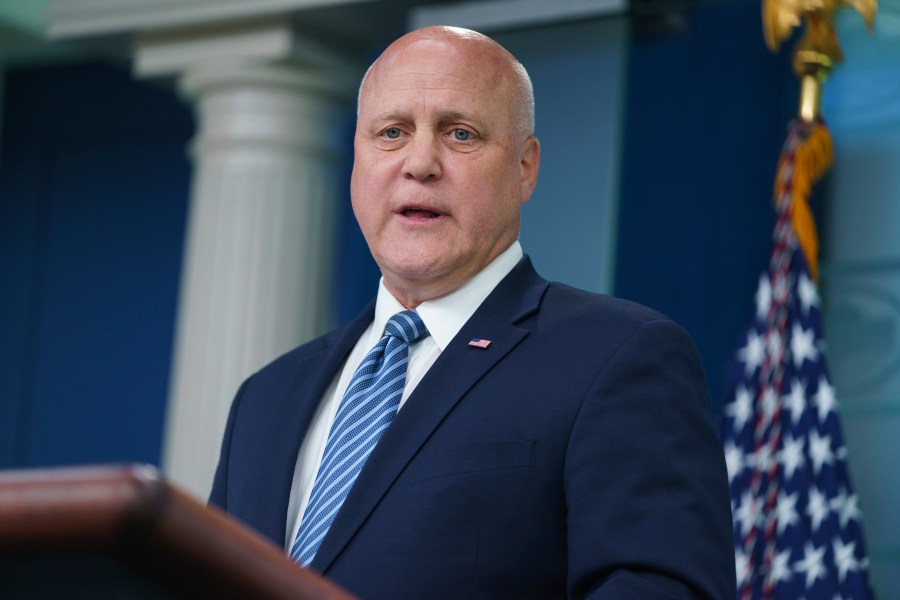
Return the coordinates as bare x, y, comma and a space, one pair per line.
392, 133
462, 135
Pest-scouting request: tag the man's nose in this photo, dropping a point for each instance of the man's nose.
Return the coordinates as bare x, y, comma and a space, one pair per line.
423, 161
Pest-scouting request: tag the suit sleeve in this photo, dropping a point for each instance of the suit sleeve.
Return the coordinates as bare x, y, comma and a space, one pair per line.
646, 486
219, 494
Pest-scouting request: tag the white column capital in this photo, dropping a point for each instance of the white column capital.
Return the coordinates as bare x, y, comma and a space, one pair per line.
248, 106
333, 84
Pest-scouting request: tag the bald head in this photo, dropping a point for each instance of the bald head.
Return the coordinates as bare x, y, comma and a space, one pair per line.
484, 52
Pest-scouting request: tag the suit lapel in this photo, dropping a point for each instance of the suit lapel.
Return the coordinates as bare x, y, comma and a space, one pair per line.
456, 371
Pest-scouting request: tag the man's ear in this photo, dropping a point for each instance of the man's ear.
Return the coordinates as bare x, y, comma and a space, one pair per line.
529, 165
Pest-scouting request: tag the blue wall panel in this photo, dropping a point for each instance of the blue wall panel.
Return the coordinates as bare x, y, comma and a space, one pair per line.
94, 193
707, 112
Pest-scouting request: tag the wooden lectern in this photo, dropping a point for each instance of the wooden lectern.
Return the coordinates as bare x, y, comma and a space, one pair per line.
122, 532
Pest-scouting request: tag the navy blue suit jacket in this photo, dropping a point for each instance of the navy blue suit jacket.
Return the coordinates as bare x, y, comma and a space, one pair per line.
574, 456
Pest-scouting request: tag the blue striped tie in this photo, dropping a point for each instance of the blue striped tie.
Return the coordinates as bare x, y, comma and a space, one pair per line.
366, 410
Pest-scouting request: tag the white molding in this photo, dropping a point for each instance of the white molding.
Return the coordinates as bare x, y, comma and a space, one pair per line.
492, 15
169, 53
70, 19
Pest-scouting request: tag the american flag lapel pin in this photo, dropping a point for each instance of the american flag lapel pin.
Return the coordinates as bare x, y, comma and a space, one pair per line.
479, 343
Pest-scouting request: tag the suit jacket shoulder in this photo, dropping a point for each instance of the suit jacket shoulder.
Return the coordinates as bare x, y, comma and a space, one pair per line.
267, 423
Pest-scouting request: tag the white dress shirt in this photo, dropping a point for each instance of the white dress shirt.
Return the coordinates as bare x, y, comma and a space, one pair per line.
443, 317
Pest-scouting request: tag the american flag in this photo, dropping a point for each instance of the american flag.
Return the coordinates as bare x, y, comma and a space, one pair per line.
797, 524
479, 343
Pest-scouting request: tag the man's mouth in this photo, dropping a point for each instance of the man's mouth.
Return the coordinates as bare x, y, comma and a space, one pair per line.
419, 213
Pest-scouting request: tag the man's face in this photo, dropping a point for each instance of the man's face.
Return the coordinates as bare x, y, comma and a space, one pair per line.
440, 172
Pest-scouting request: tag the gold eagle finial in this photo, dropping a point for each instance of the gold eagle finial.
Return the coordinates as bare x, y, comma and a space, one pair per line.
780, 17
818, 49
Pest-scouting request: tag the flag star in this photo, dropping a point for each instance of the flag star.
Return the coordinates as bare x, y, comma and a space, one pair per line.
747, 513
763, 298
816, 508
796, 400
769, 402
811, 564
820, 450
762, 458
791, 455
781, 569
741, 409
847, 507
734, 460
825, 400
753, 353
845, 558
786, 511
806, 290
802, 345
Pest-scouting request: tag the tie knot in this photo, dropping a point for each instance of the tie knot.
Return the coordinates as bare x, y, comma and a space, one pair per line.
406, 325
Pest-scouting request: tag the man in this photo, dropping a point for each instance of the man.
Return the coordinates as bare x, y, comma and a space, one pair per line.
549, 442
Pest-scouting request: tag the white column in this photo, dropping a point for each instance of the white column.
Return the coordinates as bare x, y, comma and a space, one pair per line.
258, 250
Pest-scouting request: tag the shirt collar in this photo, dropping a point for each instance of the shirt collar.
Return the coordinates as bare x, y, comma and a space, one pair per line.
445, 316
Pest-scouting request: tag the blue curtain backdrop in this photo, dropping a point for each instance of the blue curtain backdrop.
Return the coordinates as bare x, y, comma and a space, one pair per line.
93, 194
706, 114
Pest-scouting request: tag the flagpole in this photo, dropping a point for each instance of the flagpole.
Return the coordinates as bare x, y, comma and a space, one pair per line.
813, 69
815, 55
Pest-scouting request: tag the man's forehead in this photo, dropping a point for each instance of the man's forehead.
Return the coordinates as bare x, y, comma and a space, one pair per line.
415, 95
438, 72
471, 82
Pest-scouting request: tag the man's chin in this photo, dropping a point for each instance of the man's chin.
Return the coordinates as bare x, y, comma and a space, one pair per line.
419, 266
421, 280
